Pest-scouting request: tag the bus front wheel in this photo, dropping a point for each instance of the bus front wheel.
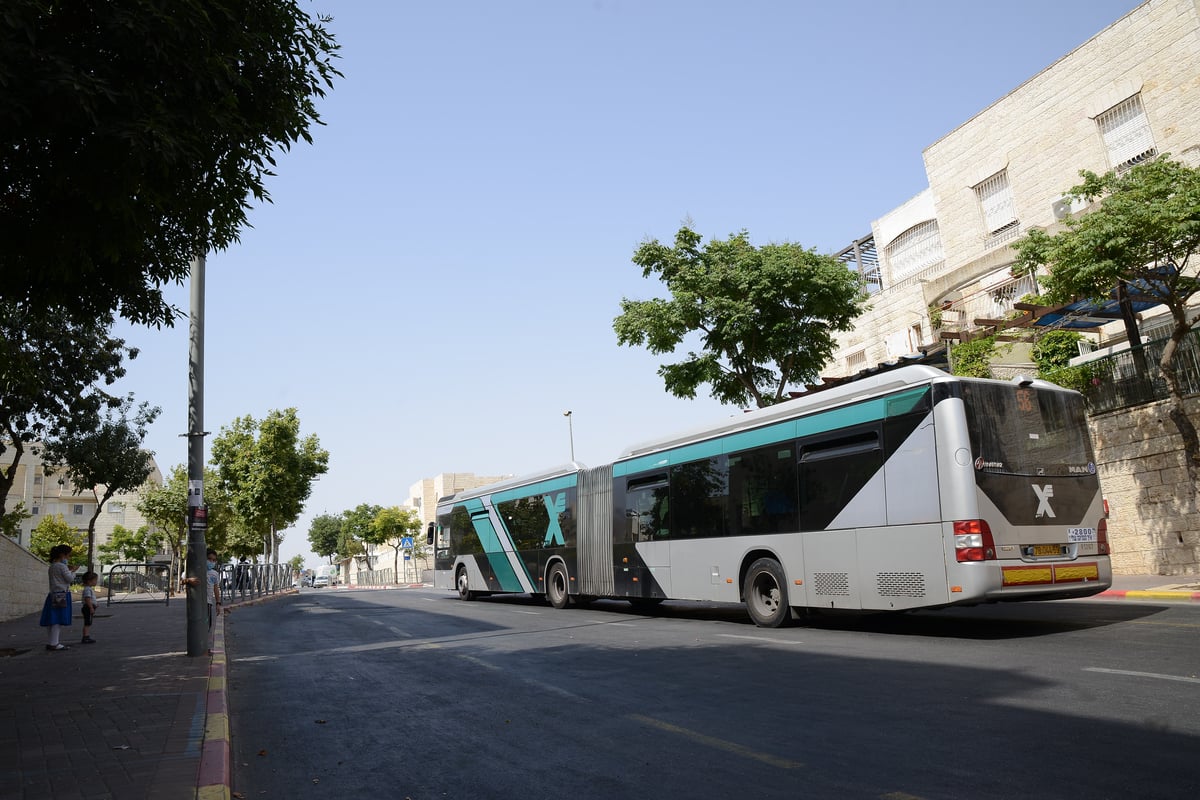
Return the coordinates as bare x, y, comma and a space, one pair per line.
556, 585
464, 591
765, 593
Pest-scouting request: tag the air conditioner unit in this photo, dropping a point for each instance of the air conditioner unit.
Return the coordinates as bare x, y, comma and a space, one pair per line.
1066, 206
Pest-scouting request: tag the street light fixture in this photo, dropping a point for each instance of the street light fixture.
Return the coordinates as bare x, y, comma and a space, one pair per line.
570, 433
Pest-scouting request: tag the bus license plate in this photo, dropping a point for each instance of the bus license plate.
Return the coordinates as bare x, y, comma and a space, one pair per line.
1081, 534
1047, 550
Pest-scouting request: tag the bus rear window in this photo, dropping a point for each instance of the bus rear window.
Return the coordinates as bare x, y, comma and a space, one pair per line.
1026, 430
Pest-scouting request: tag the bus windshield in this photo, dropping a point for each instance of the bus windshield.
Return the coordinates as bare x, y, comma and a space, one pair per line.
1024, 430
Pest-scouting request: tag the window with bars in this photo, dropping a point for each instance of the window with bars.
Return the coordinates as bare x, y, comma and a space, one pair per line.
1126, 133
999, 211
915, 250
856, 361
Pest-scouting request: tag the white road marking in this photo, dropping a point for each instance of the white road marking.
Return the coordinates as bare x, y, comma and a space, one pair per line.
1133, 674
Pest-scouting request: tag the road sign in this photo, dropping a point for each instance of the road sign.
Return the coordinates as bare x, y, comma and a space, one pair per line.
406, 542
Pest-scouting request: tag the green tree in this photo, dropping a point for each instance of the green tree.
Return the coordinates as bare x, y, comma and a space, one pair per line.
10, 523
1142, 234
296, 564
105, 455
134, 135
50, 369
52, 531
359, 533
391, 525
165, 508
268, 470
973, 359
325, 534
126, 545
765, 316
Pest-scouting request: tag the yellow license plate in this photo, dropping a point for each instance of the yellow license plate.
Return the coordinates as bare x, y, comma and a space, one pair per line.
1047, 550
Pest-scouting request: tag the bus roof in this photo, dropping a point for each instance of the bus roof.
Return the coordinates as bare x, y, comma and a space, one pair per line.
512, 483
871, 386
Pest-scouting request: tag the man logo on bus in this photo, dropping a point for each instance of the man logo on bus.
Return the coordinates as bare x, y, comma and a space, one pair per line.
554, 507
1044, 493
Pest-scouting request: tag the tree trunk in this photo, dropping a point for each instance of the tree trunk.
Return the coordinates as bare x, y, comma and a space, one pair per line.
1178, 413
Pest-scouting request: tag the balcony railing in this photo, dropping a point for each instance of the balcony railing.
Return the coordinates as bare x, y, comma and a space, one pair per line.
1132, 377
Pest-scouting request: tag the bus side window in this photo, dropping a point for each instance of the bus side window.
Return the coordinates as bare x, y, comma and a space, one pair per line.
646, 509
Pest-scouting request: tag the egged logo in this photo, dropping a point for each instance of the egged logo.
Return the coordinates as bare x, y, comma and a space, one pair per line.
1044, 493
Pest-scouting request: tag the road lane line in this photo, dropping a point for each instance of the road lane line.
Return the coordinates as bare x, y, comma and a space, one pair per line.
766, 639
720, 744
1131, 673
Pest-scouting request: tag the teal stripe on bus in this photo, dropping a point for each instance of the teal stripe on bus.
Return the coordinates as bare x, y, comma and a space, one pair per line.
855, 414
497, 558
541, 487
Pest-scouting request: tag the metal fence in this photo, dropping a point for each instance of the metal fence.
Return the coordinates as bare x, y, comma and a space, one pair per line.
247, 581
136, 582
1132, 377
376, 577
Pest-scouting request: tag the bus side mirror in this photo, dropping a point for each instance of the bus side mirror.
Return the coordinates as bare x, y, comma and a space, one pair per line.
429, 532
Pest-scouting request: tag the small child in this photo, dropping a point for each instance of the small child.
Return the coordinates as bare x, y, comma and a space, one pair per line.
89, 605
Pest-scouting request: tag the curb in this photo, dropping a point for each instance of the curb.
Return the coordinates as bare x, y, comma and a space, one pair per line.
1150, 594
213, 777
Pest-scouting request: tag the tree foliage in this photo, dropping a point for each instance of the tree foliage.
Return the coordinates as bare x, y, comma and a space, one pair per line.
393, 523
105, 455
133, 546
52, 370
324, 535
134, 135
1141, 236
165, 508
973, 359
52, 531
268, 469
765, 316
359, 534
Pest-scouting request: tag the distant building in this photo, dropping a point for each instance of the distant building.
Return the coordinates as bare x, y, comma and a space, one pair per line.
425, 494
48, 495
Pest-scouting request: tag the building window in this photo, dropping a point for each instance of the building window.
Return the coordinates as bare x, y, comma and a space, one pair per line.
37, 480
77, 510
1126, 133
856, 361
36, 510
915, 250
999, 212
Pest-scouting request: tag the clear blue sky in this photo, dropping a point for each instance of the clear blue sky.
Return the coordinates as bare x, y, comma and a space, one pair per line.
436, 279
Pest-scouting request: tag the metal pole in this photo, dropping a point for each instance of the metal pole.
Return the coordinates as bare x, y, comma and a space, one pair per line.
197, 570
570, 433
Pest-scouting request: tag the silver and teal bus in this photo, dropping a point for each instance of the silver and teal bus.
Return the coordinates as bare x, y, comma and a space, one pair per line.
907, 489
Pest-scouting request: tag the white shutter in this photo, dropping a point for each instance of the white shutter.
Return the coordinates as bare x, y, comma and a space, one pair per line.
1126, 132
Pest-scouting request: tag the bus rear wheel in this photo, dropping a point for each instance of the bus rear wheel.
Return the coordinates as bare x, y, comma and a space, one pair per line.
460, 581
765, 593
556, 585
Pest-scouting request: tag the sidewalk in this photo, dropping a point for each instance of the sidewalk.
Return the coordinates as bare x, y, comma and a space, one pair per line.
133, 716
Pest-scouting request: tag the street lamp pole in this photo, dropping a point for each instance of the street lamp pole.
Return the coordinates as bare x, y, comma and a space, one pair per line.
571, 434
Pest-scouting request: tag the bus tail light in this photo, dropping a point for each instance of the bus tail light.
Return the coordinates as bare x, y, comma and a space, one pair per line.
1102, 537
973, 541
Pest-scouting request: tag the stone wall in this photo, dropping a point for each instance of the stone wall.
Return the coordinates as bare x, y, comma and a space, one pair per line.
23, 583
1152, 525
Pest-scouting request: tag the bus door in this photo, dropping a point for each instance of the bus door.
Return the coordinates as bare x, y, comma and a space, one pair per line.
642, 551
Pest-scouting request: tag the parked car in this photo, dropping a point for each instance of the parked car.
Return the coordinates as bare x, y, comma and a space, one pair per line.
321, 582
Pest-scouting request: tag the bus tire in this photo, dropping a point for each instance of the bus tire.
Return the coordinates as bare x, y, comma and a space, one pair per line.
765, 593
461, 582
557, 583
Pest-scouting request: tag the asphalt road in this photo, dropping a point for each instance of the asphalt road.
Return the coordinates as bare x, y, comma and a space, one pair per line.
416, 694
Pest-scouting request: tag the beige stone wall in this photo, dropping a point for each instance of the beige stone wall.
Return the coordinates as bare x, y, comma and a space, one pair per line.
1044, 131
23, 583
1140, 460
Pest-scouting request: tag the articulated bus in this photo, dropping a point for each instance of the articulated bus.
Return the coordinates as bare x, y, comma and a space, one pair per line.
908, 489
